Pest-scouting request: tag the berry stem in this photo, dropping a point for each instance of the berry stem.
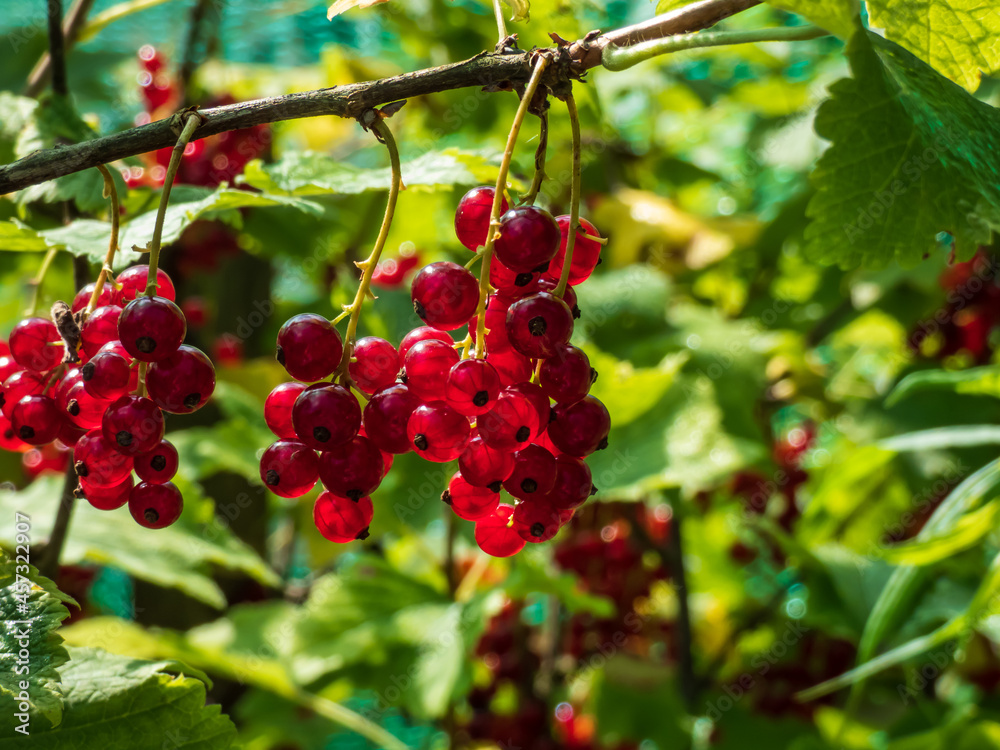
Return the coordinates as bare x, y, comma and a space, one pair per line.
543, 143
367, 266
43, 270
110, 191
574, 195
193, 120
48, 564
501, 26
491, 237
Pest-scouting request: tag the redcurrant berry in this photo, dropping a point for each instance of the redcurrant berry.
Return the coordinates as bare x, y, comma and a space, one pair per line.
183, 382
98, 462
472, 218
445, 295
580, 428
496, 324
352, 470
437, 432
159, 465
375, 365
131, 283
529, 239
534, 473
82, 298
566, 376
35, 344
36, 420
107, 375
326, 416
155, 506
17, 386
536, 520
100, 328
422, 334
69, 434
573, 485
427, 366
278, 409
79, 406
133, 424
106, 498
473, 387
538, 399
341, 519
289, 468
151, 328
9, 441
536, 325
586, 252
495, 534
469, 502
511, 284
309, 347
7, 368
482, 466
512, 367
511, 424
548, 284
386, 416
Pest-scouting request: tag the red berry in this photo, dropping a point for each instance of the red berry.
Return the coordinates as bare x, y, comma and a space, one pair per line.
566, 376
52, 458
352, 470
536, 520
159, 465
529, 239
586, 253
482, 466
496, 324
536, 325
386, 416
155, 506
438, 432
183, 382
445, 295
512, 367
473, 387
534, 473
107, 375
131, 283
278, 409
133, 424
151, 328
538, 399
511, 284
427, 365
469, 502
19, 385
511, 424
82, 298
376, 365
309, 347
195, 311
100, 328
581, 428
496, 536
289, 468
548, 284
36, 420
7, 368
35, 344
472, 218
341, 519
573, 484
98, 462
106, 498
391, 272
79, 406
9, 441
422, 334
326, 416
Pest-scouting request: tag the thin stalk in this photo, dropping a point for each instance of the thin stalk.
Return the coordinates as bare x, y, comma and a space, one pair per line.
75, 18
487, 251
543, 143
367, 266
43, 270
349, 720
620, 58
574, 194
110, 191
48, 565
501, 26
57, 48
193, 120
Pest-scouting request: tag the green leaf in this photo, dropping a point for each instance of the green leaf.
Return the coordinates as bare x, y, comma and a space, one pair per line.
531, 574
180, 556
836, 16
958, 38
119, 702
307, 173
962, 436
968, 532
974, 381
919, 162
17, 237
32, 608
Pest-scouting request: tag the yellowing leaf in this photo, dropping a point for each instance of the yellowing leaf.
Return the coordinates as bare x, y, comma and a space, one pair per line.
836, 16
958, 38
342, 6
520, 9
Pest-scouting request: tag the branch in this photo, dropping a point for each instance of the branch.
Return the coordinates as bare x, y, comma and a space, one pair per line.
494, 71
57, 48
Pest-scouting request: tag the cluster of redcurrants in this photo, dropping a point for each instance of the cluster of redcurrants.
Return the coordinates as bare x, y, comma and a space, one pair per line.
90, 397
492, 414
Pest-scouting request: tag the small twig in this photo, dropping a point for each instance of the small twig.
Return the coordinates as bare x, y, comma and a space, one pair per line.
501, 186
451, 532
189, 63
673, 555
57, 48
367, 266
110, 191
574, 195
43, 270
543, 142
501, 25
75, 19
48, 564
